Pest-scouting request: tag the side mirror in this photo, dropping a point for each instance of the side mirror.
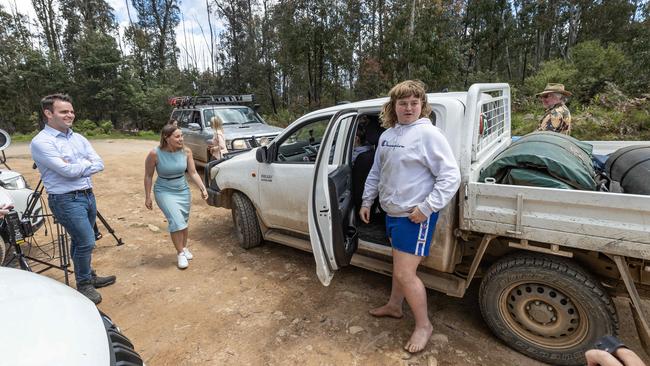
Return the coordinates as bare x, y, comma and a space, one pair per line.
194, 126
261, 154
256, 107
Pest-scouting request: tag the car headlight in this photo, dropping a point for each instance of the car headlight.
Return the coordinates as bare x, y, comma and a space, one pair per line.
263, 141
17, 182
239, 144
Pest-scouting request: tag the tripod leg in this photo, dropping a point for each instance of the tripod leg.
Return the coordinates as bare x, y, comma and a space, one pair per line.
23, 264
64, 253
98, 235
109, 228
20, 256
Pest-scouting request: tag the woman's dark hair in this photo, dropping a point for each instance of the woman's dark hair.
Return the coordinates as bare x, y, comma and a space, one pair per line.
167, 130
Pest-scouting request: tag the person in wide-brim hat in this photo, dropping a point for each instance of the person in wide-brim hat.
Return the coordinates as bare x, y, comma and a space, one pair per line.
554, 88
557, 117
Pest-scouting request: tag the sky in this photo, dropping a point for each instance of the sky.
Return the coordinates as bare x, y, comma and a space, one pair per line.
194, 16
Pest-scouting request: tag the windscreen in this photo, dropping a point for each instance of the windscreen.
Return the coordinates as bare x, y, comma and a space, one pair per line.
231, 116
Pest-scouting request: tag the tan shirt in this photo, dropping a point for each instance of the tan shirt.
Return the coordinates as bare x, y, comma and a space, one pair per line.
556, 119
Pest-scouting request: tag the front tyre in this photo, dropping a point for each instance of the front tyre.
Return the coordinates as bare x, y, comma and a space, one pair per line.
247, 228
546, 307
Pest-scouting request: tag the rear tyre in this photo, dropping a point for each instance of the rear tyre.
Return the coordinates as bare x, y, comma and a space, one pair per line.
546, 307
247, 228
4, 249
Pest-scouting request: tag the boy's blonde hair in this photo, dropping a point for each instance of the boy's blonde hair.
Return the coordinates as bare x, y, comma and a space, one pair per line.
405, 89
216, 123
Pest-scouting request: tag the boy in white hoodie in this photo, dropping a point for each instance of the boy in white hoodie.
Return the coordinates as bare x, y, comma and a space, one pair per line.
415, 175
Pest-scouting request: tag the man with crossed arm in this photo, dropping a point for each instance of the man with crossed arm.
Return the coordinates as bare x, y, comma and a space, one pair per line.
66, 161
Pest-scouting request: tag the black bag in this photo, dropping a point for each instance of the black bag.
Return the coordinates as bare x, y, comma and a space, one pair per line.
629, 167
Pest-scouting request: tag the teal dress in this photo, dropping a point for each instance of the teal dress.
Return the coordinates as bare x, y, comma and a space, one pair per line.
171, 190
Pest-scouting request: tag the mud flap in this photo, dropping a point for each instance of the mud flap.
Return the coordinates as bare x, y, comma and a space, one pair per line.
640, 321
641, 327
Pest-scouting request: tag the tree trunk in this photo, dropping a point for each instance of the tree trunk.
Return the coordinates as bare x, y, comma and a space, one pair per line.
524, 65
47, 17
380, 36
212, 56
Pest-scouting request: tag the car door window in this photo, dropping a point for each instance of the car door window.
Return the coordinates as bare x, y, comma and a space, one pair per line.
196, 118
301, 146
184, 119
207, 116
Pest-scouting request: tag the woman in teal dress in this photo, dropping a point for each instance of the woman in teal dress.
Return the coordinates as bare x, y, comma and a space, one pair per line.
172, 193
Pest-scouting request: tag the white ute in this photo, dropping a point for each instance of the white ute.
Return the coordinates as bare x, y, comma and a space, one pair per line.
549, 259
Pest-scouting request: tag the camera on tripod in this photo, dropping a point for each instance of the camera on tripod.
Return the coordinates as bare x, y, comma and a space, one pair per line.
17, 229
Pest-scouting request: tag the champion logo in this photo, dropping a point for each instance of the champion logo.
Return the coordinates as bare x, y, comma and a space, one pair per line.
386, 144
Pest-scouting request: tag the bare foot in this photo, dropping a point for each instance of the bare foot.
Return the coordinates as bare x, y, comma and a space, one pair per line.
387, 310
419, 339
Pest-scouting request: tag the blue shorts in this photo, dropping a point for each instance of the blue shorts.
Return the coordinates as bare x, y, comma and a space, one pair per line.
409, 237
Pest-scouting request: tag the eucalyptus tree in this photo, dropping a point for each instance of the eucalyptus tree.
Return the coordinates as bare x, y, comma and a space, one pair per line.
154, 36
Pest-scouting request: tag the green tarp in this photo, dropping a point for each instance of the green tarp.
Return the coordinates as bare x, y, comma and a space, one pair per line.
544, 159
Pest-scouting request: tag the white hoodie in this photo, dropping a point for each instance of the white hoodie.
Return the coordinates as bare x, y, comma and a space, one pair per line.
414, 166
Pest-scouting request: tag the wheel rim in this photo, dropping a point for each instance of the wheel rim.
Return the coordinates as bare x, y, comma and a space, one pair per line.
543, 315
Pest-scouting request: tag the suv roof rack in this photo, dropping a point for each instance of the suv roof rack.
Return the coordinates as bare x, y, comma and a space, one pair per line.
190, 101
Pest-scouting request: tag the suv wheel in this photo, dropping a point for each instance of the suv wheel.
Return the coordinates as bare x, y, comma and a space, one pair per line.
247, 228
546, 307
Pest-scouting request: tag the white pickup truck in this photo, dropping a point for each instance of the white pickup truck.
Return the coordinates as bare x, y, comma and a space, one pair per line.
549, 259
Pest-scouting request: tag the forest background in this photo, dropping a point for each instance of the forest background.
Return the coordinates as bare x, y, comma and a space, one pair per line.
301, 55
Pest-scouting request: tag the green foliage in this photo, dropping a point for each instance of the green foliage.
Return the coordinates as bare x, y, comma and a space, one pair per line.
523, 123
106, 126
553, 71
596, 65
640, 120
594, 123
23, 137
147, 135
141, 135
84, 126
281, 119
150, 108
585, 73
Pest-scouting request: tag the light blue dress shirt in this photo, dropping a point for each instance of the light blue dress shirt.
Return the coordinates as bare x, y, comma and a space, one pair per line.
66, 161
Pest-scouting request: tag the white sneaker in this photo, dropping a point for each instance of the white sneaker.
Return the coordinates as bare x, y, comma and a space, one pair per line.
187, 254
182, 261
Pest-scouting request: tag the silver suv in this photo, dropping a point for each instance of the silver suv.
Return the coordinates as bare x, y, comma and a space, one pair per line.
243, 127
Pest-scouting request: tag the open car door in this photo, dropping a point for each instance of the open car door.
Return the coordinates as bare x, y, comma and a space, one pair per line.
331, 213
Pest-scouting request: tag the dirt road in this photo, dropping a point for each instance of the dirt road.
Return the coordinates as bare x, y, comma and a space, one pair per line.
259, 307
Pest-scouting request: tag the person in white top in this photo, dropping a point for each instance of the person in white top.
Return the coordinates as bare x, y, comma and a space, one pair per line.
415, 175
219, 148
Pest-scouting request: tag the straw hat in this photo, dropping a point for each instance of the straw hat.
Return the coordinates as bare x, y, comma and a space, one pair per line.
554, 88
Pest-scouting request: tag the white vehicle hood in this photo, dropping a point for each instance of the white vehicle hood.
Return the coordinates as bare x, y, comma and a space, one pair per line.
48, 323
8, 174
250, 129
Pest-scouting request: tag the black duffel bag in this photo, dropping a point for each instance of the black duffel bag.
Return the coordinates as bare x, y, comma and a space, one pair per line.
629, 167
